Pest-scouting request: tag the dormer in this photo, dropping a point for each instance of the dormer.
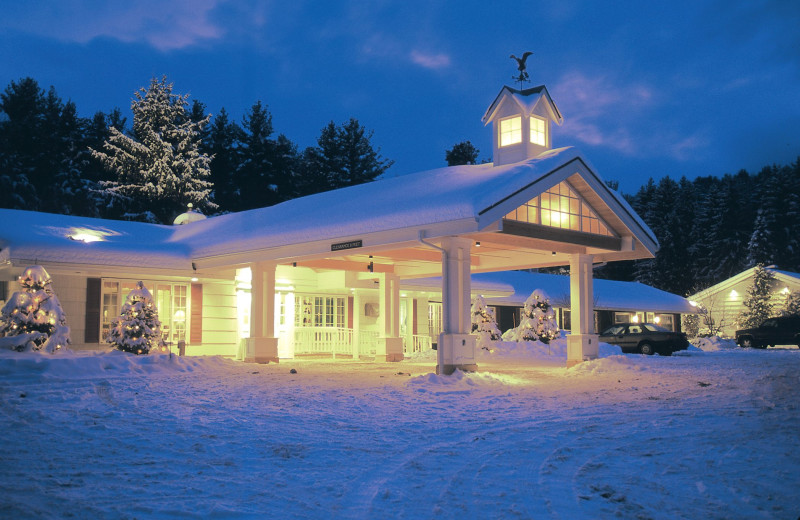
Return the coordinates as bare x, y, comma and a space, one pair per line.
521, 123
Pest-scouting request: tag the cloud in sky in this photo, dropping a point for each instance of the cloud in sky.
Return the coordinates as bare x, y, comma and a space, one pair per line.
163, 25
430, 61
629, 117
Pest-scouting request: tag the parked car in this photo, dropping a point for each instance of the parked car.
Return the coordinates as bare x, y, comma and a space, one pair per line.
646, 338
774, 331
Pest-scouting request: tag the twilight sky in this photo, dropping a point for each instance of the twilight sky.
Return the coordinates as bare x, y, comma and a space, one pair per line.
647, 88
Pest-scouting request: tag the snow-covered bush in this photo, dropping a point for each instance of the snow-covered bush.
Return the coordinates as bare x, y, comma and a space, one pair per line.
538, 320
484, 323
137, 329
691, 324
32, 319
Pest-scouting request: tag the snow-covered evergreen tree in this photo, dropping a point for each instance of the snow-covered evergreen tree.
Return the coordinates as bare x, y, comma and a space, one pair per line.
34, 315
137, 329
538, 320
758, 306
484, 323
760, 247
159, 168
791, 306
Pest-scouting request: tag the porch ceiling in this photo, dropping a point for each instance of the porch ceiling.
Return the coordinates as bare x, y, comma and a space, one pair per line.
498, 251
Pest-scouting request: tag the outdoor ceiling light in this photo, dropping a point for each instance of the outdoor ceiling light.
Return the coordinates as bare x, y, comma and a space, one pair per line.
87, 235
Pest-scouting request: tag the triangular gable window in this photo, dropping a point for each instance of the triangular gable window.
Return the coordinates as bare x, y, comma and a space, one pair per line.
561, 207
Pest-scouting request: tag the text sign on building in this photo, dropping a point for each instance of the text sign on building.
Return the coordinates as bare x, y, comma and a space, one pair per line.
346, 245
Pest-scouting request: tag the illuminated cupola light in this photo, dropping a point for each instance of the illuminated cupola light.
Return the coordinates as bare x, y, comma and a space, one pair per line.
191, 215
521, 123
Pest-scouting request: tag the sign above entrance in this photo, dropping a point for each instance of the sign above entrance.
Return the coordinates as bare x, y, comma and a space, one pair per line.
346, 245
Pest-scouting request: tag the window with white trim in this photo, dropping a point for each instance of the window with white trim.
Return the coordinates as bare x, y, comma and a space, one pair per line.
171, 299
510, 131
320, 311
538, 131
561, 207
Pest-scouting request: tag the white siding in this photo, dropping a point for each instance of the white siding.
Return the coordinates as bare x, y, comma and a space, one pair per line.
71, 292
220, 336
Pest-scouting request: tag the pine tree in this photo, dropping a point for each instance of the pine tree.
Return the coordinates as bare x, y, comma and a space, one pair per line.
137, 330
34, 315
462, 153
344, 156
758, 306
159, 169
791, 305
484, 323
266, 171
224, 147
538, 321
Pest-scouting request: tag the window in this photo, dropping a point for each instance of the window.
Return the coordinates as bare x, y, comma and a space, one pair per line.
561, 207
434, 320
538, 131
172, 302
510, 131
320, 311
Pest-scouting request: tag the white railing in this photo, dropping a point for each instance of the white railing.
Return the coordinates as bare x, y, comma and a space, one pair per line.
334, 341
323, 340
419, 343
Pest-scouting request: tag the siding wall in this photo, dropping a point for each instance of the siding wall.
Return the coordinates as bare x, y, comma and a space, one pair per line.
71, 292
220, 321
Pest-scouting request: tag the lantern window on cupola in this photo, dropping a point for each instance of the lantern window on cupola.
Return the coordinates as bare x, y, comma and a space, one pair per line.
510, 131
538, 131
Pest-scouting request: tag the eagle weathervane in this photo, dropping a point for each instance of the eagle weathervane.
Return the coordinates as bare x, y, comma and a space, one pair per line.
521, 66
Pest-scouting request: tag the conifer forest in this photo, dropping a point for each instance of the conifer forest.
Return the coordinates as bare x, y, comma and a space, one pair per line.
174, 153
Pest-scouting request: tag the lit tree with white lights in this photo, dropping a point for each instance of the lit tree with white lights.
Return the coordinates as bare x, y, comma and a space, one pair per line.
34, 315
538, 320
137, 330
484, 323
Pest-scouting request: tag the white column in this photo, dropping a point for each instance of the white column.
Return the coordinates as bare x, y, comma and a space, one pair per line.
357, 310
409, 337
262, 344
390, 344
456, 349
582, 343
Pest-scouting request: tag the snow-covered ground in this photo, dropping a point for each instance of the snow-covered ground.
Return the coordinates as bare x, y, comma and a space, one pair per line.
705, 434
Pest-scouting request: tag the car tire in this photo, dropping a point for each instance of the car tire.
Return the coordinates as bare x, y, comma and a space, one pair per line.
647, 349
746, 342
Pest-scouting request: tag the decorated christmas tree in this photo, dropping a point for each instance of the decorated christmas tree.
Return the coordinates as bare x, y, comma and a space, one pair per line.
484, 323
137, 329
757, 303
538, 320
32, 319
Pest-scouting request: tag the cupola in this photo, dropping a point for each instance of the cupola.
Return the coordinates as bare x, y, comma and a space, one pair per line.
521, 123
191, 215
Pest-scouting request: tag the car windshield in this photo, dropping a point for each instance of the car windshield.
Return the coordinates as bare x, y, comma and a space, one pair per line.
616, 329
654, 328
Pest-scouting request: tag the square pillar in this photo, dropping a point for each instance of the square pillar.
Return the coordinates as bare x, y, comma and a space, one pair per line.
456, 349
390, 344
582, 343
262, 345
357, 310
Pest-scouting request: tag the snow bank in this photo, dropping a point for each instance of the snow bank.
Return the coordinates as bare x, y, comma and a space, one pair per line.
461, 382
88, 365
536, 350
714, 343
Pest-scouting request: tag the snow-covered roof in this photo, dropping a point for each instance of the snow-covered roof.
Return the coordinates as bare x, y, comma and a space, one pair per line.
527, 100
442, 202
608, 294
784, 276
30, 236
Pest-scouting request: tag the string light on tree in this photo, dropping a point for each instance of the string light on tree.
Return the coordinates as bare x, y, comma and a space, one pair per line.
34, 314
137, 330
